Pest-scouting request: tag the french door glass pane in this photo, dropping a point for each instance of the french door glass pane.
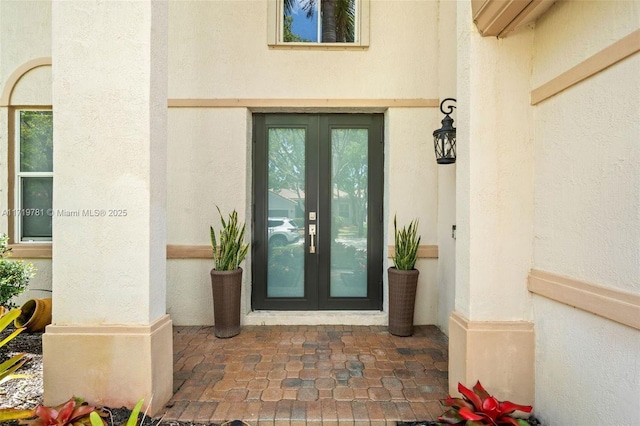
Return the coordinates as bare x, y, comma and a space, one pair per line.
349, 188
37, 199
286, 211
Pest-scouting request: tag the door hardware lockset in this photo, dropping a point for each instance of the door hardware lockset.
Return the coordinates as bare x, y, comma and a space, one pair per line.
312, 237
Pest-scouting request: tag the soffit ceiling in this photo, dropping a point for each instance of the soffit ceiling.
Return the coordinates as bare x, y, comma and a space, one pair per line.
497, 18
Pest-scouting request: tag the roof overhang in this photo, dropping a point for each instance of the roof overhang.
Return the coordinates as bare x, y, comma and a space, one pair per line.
498, 18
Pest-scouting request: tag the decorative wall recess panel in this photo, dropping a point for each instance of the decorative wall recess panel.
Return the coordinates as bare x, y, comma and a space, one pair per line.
498, 18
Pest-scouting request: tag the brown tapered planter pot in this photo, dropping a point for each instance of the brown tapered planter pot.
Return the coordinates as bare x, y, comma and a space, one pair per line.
226, 287
402, 300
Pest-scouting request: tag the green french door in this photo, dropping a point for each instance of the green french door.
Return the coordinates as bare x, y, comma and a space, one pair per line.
317, 194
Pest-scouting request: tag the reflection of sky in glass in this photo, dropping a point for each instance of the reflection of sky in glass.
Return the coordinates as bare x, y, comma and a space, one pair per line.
304, 27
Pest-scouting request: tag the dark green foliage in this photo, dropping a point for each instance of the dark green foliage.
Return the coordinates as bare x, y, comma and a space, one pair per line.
14, 275
36, 141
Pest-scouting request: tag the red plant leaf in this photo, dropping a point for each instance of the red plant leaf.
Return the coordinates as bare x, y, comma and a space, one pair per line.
65, 413
490, 404
48, 415
447, 401
479, 390
490, 407
451, 417
467, 414
81, 411
508, 407
470, 396
456, 402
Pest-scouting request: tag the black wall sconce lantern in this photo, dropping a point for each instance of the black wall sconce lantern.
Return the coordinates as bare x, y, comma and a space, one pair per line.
444, 139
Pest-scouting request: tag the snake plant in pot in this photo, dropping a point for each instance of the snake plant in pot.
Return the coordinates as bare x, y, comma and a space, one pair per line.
403, 279
229, 250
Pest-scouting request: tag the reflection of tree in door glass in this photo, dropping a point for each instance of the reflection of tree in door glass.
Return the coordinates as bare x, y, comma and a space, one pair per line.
286, 209
349, 187
287, 165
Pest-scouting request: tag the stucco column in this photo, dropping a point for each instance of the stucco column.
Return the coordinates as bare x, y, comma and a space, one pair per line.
111, 340
491, 336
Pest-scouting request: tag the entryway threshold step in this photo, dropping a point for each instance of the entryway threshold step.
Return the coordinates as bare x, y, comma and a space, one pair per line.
316, 318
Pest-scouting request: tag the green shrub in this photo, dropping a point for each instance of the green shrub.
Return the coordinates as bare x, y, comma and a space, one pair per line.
14, 275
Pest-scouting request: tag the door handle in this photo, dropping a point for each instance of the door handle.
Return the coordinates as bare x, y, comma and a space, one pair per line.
312, 238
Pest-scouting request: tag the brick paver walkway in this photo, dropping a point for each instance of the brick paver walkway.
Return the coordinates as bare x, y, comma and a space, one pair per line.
290, 375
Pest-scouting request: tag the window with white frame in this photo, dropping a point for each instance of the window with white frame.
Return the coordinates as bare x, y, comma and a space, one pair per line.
341, 23
33, 165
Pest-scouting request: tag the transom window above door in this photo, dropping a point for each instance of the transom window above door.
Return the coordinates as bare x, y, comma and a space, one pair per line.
325, 23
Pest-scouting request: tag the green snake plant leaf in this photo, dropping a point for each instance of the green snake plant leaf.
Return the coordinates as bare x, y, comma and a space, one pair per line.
214, 243
407, 242
229, 249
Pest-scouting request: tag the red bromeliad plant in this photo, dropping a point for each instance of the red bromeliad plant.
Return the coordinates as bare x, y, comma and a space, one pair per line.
477, 407
73, 412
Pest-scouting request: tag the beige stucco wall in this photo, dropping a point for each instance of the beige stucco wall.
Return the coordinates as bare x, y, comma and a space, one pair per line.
494, 213
205, 62
494, 182
447, 88
411, 178
208, 165
219, 49
587, 227
109, 155
210, 150
33, 88
25, 35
